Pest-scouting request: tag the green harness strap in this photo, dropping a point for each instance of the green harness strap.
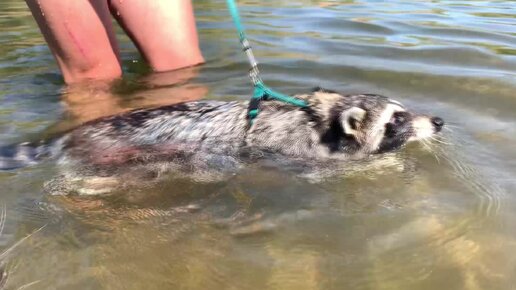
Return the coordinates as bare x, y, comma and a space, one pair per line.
261, 91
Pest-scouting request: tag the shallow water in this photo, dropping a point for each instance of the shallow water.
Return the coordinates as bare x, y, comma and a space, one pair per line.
426, 219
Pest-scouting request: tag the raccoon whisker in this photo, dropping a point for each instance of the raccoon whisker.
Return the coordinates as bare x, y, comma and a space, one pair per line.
444, 153
424, 141
450, 126
432, 150
448, 141
432, 145
445, 137
3, 217
4, 276
440, 141
10, 249
3, 271
437, 158
426, 144
448, 156
25, 286
455, 140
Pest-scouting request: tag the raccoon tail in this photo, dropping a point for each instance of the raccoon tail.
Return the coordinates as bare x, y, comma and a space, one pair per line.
23, 154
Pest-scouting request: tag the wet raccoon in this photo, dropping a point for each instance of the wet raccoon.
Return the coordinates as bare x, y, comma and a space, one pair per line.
210, 134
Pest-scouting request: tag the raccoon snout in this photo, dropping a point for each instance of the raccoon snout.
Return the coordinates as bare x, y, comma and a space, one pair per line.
438, 123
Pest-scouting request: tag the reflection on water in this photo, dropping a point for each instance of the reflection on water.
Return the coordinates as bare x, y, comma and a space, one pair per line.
88, 101
431, 216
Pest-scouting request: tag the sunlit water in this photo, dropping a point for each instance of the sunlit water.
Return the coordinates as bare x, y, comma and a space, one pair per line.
442, 217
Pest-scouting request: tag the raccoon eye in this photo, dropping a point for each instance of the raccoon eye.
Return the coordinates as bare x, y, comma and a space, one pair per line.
398, 118
390, 131
353, 123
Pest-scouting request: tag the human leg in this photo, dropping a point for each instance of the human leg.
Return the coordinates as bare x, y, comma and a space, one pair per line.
80, 36
163, 30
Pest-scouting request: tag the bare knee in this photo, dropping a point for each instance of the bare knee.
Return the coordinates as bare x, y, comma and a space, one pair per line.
80, 36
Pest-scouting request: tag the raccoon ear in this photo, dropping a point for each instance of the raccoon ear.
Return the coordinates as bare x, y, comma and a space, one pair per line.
351, 120
323, 90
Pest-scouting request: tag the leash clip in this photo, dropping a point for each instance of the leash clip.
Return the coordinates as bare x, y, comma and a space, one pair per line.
259, 94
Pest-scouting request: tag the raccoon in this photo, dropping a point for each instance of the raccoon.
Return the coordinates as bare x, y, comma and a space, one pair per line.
333, 127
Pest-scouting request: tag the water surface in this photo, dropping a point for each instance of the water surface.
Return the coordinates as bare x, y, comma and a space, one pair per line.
428, 218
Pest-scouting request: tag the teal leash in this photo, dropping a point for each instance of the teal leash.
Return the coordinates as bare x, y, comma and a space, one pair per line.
261, 91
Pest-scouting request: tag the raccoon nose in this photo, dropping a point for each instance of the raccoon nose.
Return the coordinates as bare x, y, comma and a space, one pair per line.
438, 123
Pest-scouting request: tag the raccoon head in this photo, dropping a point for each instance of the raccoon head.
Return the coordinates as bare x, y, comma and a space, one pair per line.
370, 124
